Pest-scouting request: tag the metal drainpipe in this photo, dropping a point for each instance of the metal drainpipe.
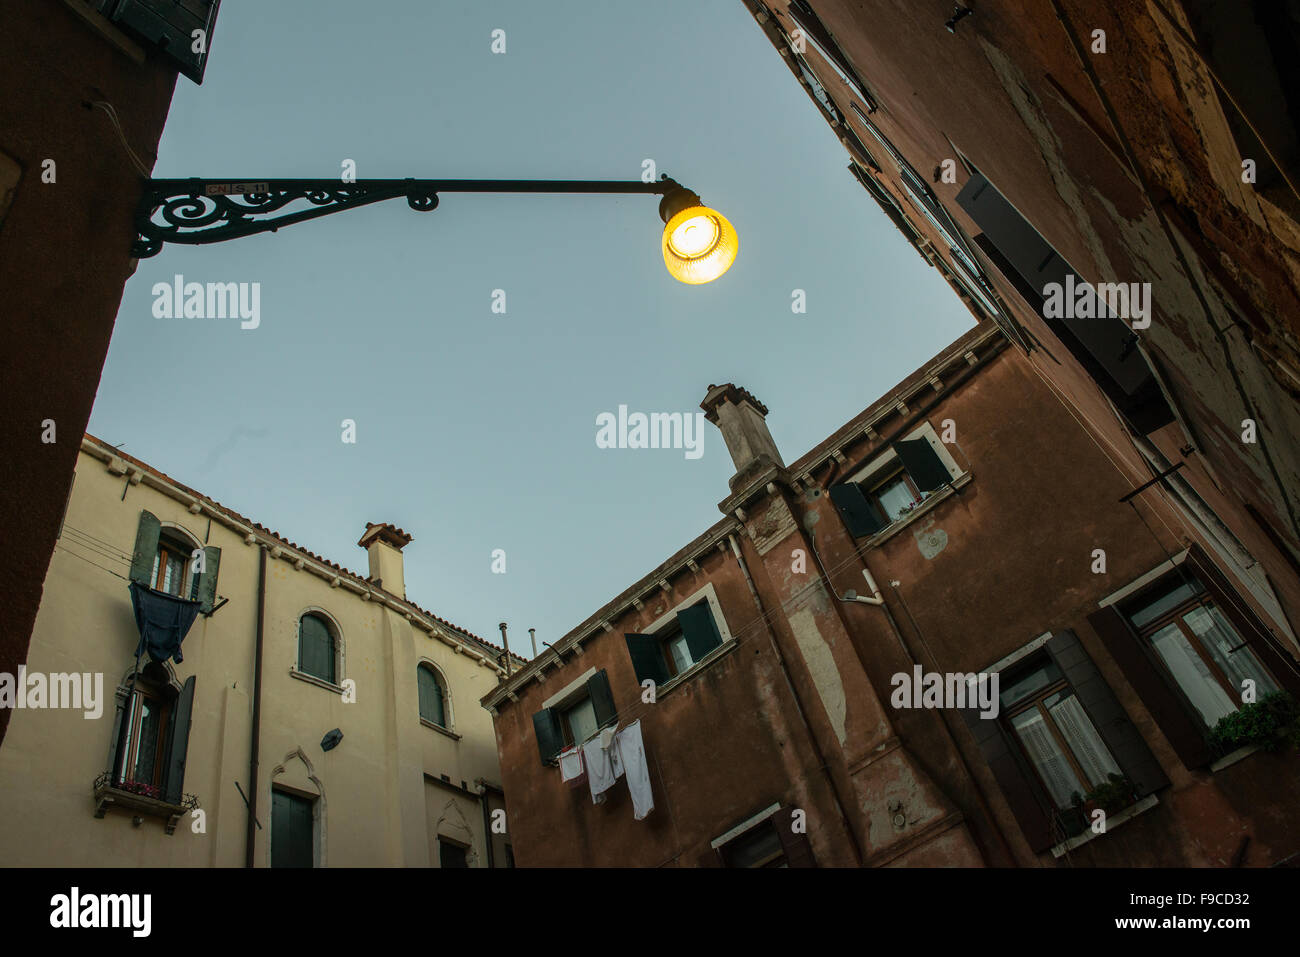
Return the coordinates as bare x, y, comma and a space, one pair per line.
250, 839
785, 671
487, 821
912, 660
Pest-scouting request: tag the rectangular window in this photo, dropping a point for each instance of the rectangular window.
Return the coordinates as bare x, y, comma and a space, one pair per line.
1200, 650
143, 748
760, 846
893, 484
676, 646
292, 830
1055, 733
451, 854
579, 722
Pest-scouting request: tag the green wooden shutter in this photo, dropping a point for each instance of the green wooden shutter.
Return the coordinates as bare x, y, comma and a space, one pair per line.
699, 628
291, 830
169, 25
431, 703
1112, 722
1154, 687
1022, 792
550, 740
647, 658
146, 548
207, 582
923, 464
178, 743
861, 517
602, 699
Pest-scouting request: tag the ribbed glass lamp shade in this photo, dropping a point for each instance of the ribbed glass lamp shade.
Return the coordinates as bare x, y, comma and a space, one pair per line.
699, 245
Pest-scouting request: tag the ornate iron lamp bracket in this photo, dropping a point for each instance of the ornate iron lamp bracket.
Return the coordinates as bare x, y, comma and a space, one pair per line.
195, 212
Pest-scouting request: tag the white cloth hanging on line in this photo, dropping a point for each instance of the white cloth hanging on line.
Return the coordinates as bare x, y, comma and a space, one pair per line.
571, 767
600, 770
630, 747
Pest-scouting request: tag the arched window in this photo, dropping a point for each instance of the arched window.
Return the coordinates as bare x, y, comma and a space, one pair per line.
172, 566
317, 648
433, 697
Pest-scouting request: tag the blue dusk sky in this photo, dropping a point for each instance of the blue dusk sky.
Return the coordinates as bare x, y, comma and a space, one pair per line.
476, 430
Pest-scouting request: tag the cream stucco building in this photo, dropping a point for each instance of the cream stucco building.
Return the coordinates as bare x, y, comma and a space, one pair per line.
159, 776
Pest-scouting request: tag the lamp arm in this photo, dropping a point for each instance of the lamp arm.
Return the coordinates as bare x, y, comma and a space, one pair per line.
194, 212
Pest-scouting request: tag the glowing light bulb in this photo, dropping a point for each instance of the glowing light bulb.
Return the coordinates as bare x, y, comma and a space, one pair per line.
699, 245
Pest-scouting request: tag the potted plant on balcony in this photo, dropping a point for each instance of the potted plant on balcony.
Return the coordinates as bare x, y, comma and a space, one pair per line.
1271, 723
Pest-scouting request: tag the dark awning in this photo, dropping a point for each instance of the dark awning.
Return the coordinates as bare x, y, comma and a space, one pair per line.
164, 620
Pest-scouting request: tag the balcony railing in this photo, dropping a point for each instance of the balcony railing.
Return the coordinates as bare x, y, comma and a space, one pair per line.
141, 798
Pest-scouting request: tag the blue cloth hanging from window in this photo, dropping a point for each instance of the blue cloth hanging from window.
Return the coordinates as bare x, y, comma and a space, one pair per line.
164, 620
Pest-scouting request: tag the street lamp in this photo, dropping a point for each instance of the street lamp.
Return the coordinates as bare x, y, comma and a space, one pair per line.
699, 244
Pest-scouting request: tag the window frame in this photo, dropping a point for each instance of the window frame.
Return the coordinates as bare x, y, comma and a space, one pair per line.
1036, 701
667, 628
336, 646
1201, 598
128, 749
443, 691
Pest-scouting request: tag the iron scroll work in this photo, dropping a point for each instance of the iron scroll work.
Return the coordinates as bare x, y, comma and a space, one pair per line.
194, 212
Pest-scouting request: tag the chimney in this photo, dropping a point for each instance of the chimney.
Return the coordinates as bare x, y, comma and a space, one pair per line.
384, 544
742, 420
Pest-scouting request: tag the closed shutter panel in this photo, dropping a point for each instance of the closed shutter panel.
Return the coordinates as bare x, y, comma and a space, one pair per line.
1280, 665
797, 848
699, 629
861, 517
206, 587
1166, 705
431, 702
170, 25
923, 464
178, 744
1101, 343
1108, 716
647, 658
315, 648
1016, 783
550, 740
146, 548
602, 699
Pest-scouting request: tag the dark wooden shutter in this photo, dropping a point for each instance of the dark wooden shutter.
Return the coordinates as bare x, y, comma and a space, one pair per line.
647, 658
699, 628
178, 743
1117, 731
797, 848
1155, 688
923, 464
1101, 343
602, 699
207, 582
431, 700
861, 517
291, 830
146, 548
169, 25
1023, 793
550, 740
1252, 630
